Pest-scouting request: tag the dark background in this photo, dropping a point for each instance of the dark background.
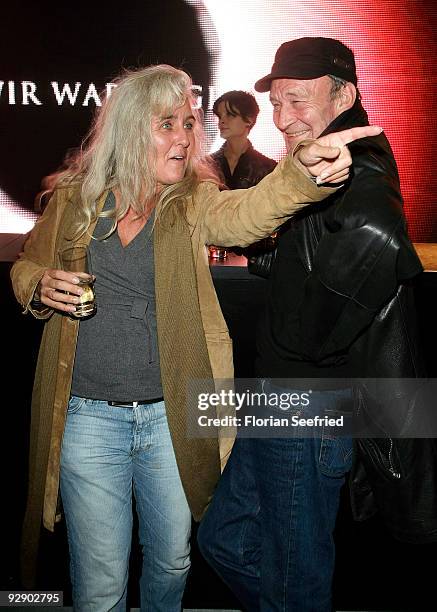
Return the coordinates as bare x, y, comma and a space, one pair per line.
80, 42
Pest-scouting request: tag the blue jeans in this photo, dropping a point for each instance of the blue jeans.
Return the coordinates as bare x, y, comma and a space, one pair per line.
107, 451
269, 530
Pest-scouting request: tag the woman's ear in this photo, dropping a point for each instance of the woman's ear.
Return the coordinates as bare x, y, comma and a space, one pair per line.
346, 97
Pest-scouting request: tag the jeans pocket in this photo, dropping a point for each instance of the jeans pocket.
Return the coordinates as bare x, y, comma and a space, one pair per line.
75, 404
335, 458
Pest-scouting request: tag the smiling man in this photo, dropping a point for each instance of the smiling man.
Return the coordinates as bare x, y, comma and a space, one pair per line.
304, 109
338, 307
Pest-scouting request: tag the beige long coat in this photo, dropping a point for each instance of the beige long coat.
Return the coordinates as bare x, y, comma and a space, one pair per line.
188, 314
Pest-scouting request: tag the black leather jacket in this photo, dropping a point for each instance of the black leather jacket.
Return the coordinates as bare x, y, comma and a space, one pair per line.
371, 260
357, 305
357, 299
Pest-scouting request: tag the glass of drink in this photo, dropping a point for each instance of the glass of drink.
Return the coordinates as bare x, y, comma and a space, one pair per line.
217, 252
76, 259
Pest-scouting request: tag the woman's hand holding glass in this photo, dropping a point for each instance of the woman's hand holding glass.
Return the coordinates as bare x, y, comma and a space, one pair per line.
60, 290
70, 289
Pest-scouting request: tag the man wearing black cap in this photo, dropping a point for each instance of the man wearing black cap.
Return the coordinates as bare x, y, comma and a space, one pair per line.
337, 308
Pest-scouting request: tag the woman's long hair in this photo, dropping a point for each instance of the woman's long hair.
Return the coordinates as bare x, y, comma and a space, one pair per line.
118, 152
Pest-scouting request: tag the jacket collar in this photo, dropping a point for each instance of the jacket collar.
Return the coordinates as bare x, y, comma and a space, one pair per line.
353, 117
220, 153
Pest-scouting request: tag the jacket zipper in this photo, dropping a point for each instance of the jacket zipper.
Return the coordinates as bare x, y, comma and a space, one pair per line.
391, 468
313, 245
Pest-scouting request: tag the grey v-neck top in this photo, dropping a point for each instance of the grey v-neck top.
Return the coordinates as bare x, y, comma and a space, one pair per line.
117, 348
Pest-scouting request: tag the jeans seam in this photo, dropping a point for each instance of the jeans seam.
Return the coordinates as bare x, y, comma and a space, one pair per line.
243, 535
72, 565
291, 556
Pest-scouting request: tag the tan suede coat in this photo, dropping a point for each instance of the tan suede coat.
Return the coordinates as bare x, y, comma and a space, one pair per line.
237, 217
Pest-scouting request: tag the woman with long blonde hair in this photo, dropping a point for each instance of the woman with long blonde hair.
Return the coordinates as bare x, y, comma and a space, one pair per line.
110, 397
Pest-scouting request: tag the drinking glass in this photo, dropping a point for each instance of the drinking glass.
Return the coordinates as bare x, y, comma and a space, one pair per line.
217, 252
76, 259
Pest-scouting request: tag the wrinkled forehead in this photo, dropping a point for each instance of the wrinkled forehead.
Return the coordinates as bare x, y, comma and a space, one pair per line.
319, 87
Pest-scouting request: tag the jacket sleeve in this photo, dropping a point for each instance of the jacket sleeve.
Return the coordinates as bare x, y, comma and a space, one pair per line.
243, 216
38, 255
363, 256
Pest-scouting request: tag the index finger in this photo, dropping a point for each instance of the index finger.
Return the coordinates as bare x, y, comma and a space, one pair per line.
57, 274
347, 136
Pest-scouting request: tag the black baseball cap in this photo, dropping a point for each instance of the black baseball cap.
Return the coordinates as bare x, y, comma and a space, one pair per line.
311, 58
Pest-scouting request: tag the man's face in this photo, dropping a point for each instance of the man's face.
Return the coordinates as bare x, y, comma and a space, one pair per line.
302, 108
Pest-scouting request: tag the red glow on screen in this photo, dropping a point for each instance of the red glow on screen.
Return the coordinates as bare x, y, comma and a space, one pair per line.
395, 49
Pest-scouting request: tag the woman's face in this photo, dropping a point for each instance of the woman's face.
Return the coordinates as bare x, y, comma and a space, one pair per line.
230, 124
173, 137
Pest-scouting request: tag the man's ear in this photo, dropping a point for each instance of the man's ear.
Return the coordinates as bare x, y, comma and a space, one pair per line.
346, 97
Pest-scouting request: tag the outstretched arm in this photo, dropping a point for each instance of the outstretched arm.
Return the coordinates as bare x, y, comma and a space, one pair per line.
243, 216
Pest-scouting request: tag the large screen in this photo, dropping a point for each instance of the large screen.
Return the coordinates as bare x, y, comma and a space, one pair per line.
58, 60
